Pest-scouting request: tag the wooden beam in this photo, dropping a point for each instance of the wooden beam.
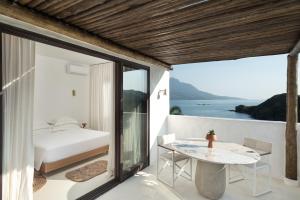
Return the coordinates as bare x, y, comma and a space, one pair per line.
209, 19
291, 119
296, 49
28, 16
183, 31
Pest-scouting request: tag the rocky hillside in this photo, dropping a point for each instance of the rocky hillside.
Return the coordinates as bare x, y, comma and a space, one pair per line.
272, 109
184, 91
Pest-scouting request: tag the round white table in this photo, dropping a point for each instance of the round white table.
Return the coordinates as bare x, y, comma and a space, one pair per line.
210, 178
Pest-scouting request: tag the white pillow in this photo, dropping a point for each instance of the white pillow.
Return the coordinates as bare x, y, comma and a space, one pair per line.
65, 127
65, 120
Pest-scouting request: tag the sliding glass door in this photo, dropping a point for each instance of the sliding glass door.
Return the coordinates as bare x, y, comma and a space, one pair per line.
134, 138
110, 98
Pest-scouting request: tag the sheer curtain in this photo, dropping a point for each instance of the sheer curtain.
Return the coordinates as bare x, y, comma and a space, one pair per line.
133, 137
134, 118
102, 104
18, 58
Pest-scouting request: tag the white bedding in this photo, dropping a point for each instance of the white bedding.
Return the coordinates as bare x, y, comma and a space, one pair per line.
53, 146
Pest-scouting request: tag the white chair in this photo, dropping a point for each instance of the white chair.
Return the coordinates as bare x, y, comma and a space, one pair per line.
265, 151
172, 158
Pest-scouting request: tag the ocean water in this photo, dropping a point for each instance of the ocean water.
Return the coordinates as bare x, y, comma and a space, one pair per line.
214, 108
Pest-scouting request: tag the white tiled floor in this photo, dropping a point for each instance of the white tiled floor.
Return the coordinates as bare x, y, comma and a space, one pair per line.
58, 187
145, 186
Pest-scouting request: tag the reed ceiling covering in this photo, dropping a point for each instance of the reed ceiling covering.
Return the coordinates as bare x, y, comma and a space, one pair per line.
183, 31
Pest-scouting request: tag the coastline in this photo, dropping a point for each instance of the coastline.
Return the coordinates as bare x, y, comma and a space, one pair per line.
214, 108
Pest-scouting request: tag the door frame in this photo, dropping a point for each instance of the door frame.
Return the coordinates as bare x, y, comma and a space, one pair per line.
122, 176
119, 62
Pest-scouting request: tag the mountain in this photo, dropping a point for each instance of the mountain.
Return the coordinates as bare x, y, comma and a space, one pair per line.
184, 91
272, 109
133, 100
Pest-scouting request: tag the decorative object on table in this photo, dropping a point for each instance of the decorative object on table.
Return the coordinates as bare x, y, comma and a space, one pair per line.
83, 125
211, 136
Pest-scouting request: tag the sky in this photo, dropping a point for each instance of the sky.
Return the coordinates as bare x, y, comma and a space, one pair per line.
251, 78
135, 80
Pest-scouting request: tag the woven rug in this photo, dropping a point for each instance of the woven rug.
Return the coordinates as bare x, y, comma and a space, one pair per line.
38, 181
88, 171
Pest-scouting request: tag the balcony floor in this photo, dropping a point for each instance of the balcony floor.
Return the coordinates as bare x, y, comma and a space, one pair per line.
145, 186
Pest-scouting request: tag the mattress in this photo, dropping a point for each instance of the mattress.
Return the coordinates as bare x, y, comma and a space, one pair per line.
53, 146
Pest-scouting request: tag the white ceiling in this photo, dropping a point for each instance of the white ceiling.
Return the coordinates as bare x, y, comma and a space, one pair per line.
72, 56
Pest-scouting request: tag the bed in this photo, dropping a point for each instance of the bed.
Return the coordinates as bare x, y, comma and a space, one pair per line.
54, 149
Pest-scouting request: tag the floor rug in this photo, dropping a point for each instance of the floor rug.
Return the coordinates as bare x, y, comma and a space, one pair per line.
38, 181
88, 171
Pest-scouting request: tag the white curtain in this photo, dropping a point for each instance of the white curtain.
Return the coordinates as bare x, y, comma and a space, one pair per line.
134, 124
102, 104
18, 85
135, 116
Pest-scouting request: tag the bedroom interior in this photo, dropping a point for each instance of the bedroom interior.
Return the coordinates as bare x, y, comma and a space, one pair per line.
66, 100
83, 87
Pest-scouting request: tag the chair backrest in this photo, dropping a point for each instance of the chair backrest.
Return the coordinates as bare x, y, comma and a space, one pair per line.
166, 139
258, 145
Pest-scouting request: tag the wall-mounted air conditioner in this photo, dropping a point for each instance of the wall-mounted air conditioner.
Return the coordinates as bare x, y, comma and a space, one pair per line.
77, 69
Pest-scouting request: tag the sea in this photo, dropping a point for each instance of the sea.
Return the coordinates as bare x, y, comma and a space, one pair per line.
214, 108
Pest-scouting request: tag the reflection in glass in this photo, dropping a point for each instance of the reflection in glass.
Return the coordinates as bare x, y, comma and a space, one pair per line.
135, 99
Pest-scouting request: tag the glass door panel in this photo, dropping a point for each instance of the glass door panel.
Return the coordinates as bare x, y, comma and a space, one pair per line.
134, 139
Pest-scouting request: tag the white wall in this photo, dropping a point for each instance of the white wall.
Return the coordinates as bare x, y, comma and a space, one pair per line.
233, 130
159, 107
53, 91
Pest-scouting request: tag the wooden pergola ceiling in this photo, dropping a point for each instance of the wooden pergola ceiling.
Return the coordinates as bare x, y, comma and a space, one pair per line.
184, 31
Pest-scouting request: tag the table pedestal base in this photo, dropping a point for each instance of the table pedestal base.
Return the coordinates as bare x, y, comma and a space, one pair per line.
210, 179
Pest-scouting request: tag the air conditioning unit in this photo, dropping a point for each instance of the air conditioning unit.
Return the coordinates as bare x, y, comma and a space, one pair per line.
77, 69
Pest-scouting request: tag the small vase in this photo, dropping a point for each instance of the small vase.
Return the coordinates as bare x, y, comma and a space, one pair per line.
210, 139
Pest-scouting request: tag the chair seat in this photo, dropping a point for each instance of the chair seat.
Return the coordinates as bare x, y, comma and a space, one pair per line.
259, 164
177, 156
262, 153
